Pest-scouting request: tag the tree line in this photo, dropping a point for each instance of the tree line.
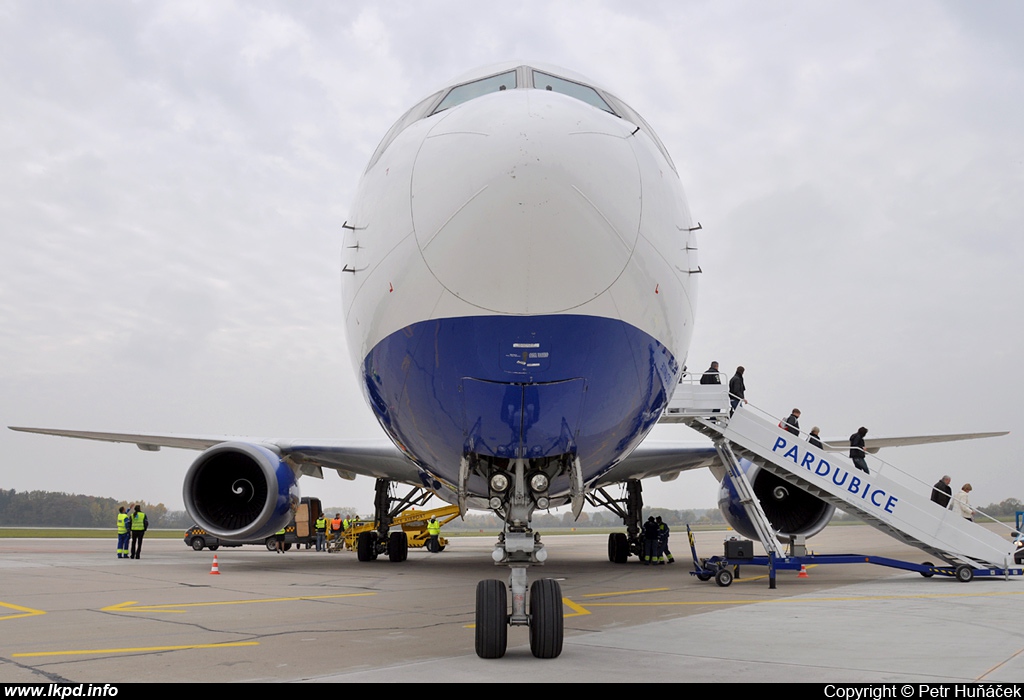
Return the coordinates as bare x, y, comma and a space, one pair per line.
59, 509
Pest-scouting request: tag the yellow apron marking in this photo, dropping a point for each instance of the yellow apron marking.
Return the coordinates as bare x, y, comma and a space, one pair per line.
23, 612
801, 599
577, 610
639, 590
130, 650
999, 665
133, 606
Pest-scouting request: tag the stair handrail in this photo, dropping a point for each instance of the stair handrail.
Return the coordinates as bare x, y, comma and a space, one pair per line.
875, 459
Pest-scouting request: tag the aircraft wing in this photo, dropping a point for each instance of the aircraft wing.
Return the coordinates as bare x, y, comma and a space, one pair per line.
873, 445
350, 458
667, 459
379, 458
661, 458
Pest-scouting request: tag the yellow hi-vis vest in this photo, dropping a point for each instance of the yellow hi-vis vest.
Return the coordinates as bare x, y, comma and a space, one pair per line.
122, 523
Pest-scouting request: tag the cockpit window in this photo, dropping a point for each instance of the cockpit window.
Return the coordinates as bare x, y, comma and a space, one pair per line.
478, 88
507, 81
628, 113
413, 115
543, 81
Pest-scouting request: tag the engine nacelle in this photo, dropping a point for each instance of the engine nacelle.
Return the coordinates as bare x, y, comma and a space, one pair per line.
790, 510
240, 491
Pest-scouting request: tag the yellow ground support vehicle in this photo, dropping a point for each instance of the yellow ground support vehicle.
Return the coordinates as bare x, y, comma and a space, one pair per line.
414, 526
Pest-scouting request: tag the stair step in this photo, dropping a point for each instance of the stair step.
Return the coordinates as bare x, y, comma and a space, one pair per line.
904, 514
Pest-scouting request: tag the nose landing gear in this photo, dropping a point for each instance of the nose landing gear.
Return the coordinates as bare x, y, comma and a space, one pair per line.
519, 547
547, 627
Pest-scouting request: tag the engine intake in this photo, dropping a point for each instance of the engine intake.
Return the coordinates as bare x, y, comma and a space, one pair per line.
789, 509
238, 490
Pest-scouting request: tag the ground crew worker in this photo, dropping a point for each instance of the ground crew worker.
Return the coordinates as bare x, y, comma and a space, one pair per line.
336, 527
651, 555
140, 523
663, 533
123, 533
279, 541
434, 530
321, 533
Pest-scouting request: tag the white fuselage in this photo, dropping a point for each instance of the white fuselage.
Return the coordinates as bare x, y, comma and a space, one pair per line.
518, 279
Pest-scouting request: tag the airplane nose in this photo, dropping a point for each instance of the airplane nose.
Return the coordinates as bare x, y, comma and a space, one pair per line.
526, 201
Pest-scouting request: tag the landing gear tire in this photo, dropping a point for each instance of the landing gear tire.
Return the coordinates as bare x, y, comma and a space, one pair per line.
398, 546
491, 619
366, 546
547, 627
723, 578
964, 574
618, 548
197, 544
927, 574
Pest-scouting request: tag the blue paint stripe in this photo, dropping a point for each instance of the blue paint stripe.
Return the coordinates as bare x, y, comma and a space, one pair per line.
533, 385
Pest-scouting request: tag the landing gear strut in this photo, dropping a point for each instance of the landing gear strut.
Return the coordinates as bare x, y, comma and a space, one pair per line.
519, 547
630, 509
547, 627
385, 507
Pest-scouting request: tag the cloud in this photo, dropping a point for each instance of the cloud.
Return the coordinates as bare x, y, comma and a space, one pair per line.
174, 177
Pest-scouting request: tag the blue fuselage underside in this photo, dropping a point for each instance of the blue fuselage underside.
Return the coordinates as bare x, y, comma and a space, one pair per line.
518, 386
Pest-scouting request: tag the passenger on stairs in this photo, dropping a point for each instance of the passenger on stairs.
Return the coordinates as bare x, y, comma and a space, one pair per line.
792, 423
960, 504
941, 493
710, 375
815, 438
737, 390
857, 449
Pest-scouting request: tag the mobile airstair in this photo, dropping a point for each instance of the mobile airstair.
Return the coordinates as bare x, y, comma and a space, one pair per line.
886, 498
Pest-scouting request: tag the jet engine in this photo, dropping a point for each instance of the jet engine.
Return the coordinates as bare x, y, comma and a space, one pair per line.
240, 491
790, 509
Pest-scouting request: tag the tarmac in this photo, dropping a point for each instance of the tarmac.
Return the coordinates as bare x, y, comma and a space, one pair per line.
70, 611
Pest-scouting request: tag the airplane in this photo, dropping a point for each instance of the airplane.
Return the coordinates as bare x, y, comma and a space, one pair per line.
519, 278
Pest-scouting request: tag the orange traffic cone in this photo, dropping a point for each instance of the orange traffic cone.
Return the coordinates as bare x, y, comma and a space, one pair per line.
802, 574
215, 569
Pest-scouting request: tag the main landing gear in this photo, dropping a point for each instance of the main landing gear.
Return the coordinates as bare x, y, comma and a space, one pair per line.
630, 509
380, 540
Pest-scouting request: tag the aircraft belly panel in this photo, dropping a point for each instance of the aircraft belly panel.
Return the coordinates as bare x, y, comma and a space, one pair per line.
507, 420
543, 385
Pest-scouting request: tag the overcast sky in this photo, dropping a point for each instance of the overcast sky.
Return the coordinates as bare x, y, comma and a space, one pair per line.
174, 178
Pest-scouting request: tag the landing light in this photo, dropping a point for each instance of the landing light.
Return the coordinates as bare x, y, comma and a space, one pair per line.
499, 482
539, 483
